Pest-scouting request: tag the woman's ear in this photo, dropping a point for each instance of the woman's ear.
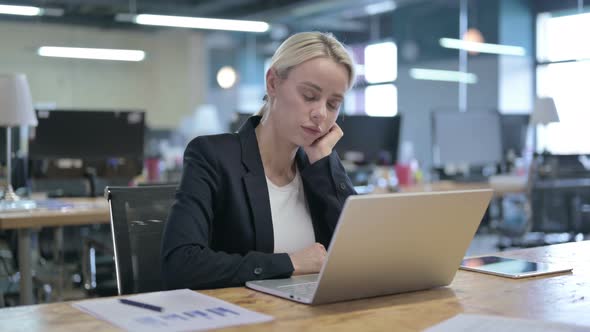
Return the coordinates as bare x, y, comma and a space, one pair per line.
272, 81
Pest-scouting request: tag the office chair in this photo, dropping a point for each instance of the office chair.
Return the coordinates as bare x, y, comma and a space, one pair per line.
517, 219
138, 215
556, 204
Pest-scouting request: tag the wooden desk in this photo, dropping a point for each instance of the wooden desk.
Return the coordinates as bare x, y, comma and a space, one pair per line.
562, 298
444, 186
501, 184
80, 211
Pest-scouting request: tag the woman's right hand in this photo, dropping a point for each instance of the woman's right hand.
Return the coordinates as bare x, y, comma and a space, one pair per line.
308, 260
323, 146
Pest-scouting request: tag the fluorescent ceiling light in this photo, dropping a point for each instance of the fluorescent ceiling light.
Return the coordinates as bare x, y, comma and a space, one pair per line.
20, 10
443, 75
482, 47
199, 23
91, 53
380, 7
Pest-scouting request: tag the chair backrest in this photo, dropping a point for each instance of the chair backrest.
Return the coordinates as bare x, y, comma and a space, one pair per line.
138, 215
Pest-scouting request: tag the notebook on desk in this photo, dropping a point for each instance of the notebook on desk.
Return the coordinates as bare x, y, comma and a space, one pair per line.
390, 243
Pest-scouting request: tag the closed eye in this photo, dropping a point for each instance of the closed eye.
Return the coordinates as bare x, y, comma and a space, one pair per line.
334, 105
309, 97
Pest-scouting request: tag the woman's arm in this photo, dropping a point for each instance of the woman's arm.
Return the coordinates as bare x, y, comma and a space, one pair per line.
187, 260
327, 187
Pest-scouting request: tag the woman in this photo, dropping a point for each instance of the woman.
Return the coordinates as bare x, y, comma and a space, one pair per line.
264, 202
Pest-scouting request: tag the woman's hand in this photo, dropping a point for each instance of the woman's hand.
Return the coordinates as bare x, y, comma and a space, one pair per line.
308, 260
323, 146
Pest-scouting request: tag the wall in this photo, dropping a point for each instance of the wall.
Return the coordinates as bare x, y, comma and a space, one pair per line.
516, 74
239, 50
423, 25
504, 82
168, 84
418, 98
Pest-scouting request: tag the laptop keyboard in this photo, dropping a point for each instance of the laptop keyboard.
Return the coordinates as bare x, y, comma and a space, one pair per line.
303, 290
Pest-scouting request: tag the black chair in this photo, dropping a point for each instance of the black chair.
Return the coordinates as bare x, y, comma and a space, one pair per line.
138, 215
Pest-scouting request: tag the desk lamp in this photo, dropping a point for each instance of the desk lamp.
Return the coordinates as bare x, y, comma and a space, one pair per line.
544, 113
16, 109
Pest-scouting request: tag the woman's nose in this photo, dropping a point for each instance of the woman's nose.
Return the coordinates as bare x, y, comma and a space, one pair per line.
319, 112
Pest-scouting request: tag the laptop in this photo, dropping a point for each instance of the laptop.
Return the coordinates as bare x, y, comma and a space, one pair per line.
388, 244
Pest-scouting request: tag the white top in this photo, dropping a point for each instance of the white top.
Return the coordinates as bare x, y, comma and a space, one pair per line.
291, 221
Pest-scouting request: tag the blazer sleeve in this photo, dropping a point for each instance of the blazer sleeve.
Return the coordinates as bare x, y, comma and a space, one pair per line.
187, 259
327, 187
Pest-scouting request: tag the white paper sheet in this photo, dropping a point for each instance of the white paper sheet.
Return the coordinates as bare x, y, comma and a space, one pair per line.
182, 310
485, 323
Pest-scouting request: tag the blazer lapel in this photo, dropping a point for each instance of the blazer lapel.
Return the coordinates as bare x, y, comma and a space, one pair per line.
302, 162
256, 187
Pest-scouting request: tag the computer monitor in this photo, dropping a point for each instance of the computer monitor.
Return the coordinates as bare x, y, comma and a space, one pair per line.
153, 140
514, 132
377, 138
88, 135
470, 138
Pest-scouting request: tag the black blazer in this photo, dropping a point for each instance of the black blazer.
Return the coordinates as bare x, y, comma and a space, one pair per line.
219, 232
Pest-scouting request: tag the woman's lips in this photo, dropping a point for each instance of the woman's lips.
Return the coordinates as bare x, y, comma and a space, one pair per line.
312, 130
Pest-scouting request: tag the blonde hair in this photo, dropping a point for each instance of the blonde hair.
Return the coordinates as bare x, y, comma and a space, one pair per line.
305, 46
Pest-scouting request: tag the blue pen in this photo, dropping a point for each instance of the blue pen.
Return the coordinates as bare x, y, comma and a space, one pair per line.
141, 305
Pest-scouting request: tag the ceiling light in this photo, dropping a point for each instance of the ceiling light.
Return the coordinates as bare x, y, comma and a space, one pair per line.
473, 35
443, 75
195, 22
91, 53
20, 10
380, 7
226, 77
482, 47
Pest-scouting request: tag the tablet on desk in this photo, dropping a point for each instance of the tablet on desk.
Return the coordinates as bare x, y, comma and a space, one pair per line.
510, 267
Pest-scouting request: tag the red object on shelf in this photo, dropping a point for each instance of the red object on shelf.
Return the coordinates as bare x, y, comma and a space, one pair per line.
153, 169
404, 174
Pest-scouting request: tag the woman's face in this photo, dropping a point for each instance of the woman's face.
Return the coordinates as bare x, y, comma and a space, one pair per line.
306, 104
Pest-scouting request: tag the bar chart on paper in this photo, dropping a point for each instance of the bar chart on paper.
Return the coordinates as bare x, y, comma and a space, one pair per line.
177, 310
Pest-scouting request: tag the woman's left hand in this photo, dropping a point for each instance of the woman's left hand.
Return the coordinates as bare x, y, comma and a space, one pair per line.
323, 146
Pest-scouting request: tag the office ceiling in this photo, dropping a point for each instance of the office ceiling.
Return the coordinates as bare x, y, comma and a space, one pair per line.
346, 18
339, 15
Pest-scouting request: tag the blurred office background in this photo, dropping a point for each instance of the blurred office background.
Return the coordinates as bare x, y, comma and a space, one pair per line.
464, 91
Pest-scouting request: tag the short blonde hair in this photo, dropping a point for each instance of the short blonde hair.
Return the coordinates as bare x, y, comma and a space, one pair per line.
305, 46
